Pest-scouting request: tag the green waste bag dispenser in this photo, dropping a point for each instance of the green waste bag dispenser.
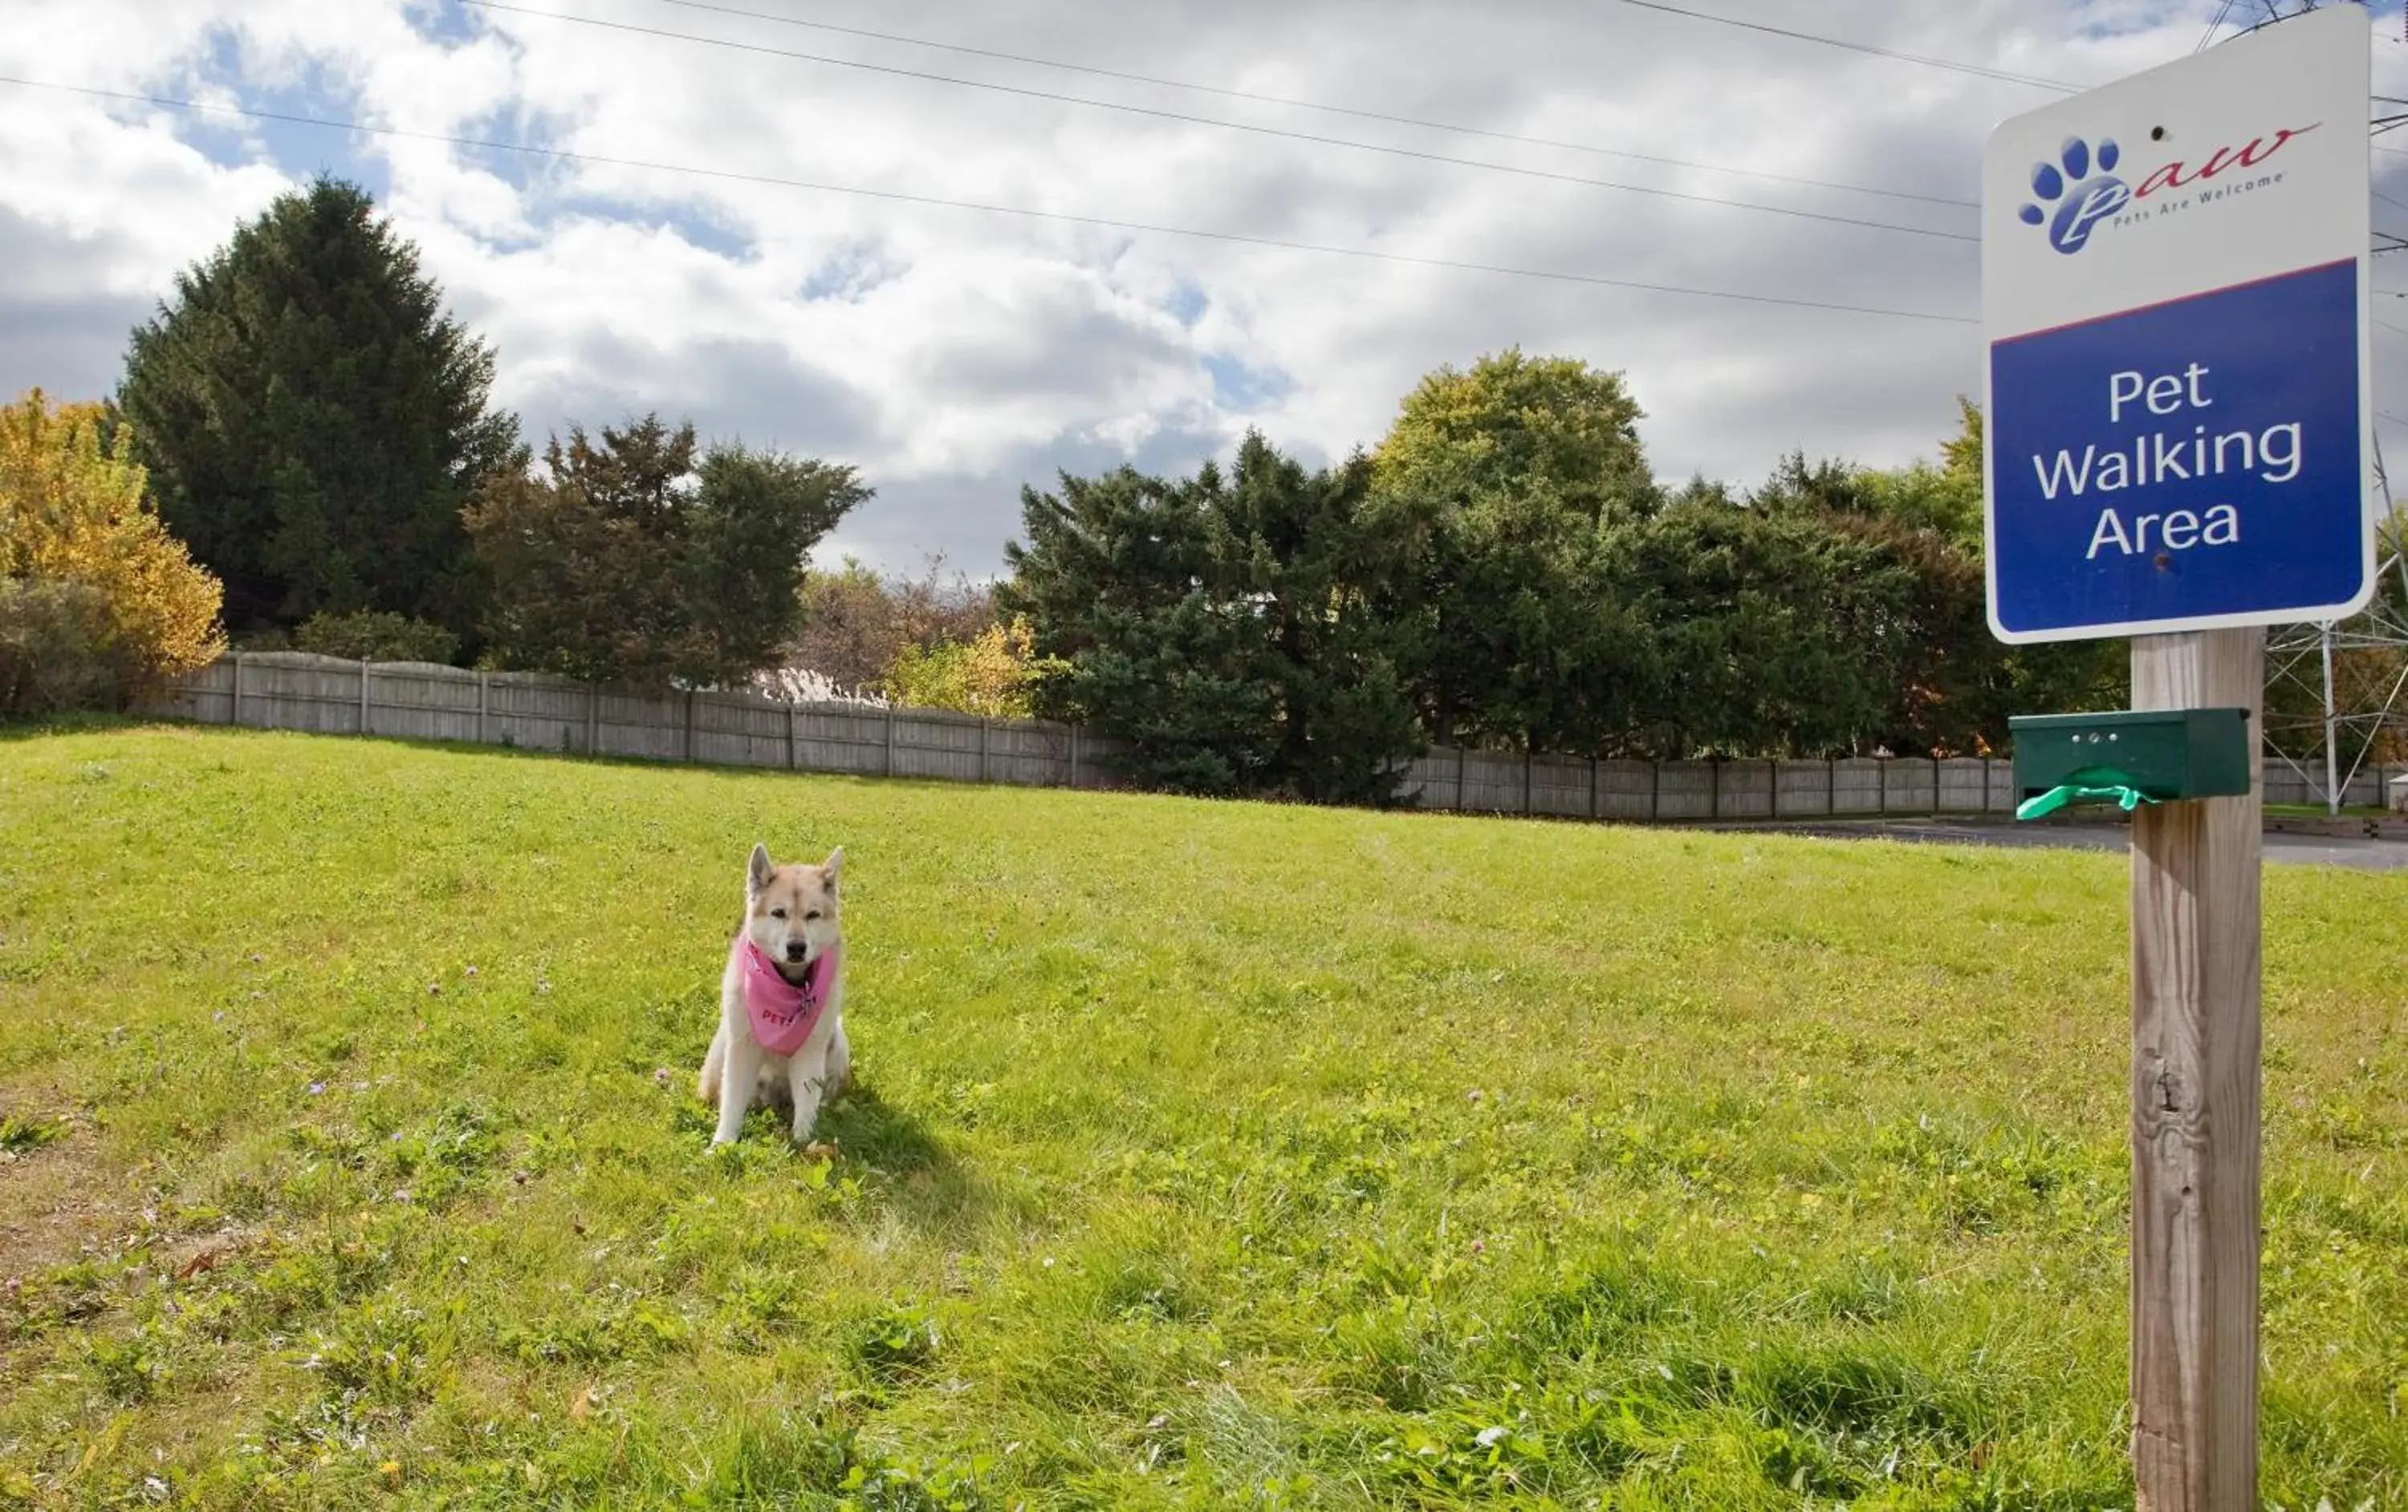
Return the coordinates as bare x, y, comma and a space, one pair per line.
2128, 757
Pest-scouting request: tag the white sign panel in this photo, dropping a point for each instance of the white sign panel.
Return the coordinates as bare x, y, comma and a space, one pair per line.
2179, 405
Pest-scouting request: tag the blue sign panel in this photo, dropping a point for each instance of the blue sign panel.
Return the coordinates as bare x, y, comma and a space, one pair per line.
2181, 462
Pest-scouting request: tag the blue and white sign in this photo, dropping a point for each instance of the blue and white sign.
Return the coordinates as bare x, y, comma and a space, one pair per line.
2178, 412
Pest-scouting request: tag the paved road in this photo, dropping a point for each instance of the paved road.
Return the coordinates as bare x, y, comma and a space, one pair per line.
2300, 850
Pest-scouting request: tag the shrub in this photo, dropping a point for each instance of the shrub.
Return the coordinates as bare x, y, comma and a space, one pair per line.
856, 622
104, 601
53, 646
991, 675
375, 636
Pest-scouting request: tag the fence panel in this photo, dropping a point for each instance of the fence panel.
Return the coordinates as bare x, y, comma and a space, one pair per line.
2003, 796
1801, 789
1857, 787
536, 713
418, 701
1099, 759
1429, 782
932, 743
1684, 790
206, 696
648, 726
740, 730
1964, 786
1560, 786
1028, 754
2282, 785
838, 737
1909, 785
1626, 791
1492, 782
316, 694
1744, 789
1090, 760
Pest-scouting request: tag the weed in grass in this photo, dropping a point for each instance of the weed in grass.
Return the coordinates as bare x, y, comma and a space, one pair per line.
21, 1134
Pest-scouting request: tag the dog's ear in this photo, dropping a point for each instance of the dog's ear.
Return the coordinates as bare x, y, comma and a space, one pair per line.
758, 871
831, 865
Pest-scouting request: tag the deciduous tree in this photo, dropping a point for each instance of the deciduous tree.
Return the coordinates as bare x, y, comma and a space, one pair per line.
1498, 484
639, 560
100, 599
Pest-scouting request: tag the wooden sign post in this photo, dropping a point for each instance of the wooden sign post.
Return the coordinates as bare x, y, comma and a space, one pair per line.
2178, 450
2196, 978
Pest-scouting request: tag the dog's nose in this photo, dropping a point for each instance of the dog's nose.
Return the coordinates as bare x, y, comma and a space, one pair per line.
796, 951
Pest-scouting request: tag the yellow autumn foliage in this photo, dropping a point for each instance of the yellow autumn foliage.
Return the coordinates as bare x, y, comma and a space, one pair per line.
990, 675
75, 518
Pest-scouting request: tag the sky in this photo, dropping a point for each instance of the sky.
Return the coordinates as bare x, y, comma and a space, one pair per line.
667, 254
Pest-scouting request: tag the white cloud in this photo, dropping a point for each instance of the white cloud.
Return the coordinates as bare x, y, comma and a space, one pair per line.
955, 355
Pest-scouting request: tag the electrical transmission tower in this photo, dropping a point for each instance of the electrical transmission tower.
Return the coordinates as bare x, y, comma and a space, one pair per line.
2347, 678
2337, 692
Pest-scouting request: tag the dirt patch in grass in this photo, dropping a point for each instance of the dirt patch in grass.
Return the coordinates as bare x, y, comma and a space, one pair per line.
52, 1187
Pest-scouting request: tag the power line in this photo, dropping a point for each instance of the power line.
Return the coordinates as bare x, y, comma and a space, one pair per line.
1950, 63
1226, 125
562, 155
1306, 105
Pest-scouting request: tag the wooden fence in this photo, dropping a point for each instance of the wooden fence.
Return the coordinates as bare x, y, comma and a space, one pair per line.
422, 701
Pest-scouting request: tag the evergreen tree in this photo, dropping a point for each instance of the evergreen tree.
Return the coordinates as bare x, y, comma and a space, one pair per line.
2051, 677
1295, 552
1756, 631
1117, 581
1225, 627
313, 421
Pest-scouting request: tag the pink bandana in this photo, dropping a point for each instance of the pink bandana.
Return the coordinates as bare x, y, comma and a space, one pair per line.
782, 1014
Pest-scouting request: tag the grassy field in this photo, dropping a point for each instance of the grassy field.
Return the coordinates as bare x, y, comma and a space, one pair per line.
1204, 1155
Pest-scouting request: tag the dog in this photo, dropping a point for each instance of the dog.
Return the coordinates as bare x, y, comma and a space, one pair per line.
782, 999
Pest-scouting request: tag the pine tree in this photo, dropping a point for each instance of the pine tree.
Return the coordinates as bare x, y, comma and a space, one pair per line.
313, 421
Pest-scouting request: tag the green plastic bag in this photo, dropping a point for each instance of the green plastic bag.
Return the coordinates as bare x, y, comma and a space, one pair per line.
2053, 799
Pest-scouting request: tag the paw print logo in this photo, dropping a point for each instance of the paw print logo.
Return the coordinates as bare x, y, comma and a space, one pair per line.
2083, 197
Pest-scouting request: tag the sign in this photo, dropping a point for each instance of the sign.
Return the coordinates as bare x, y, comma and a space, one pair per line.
2179, 398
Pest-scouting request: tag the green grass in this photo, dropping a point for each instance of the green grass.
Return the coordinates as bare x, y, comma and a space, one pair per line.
1204, 1155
